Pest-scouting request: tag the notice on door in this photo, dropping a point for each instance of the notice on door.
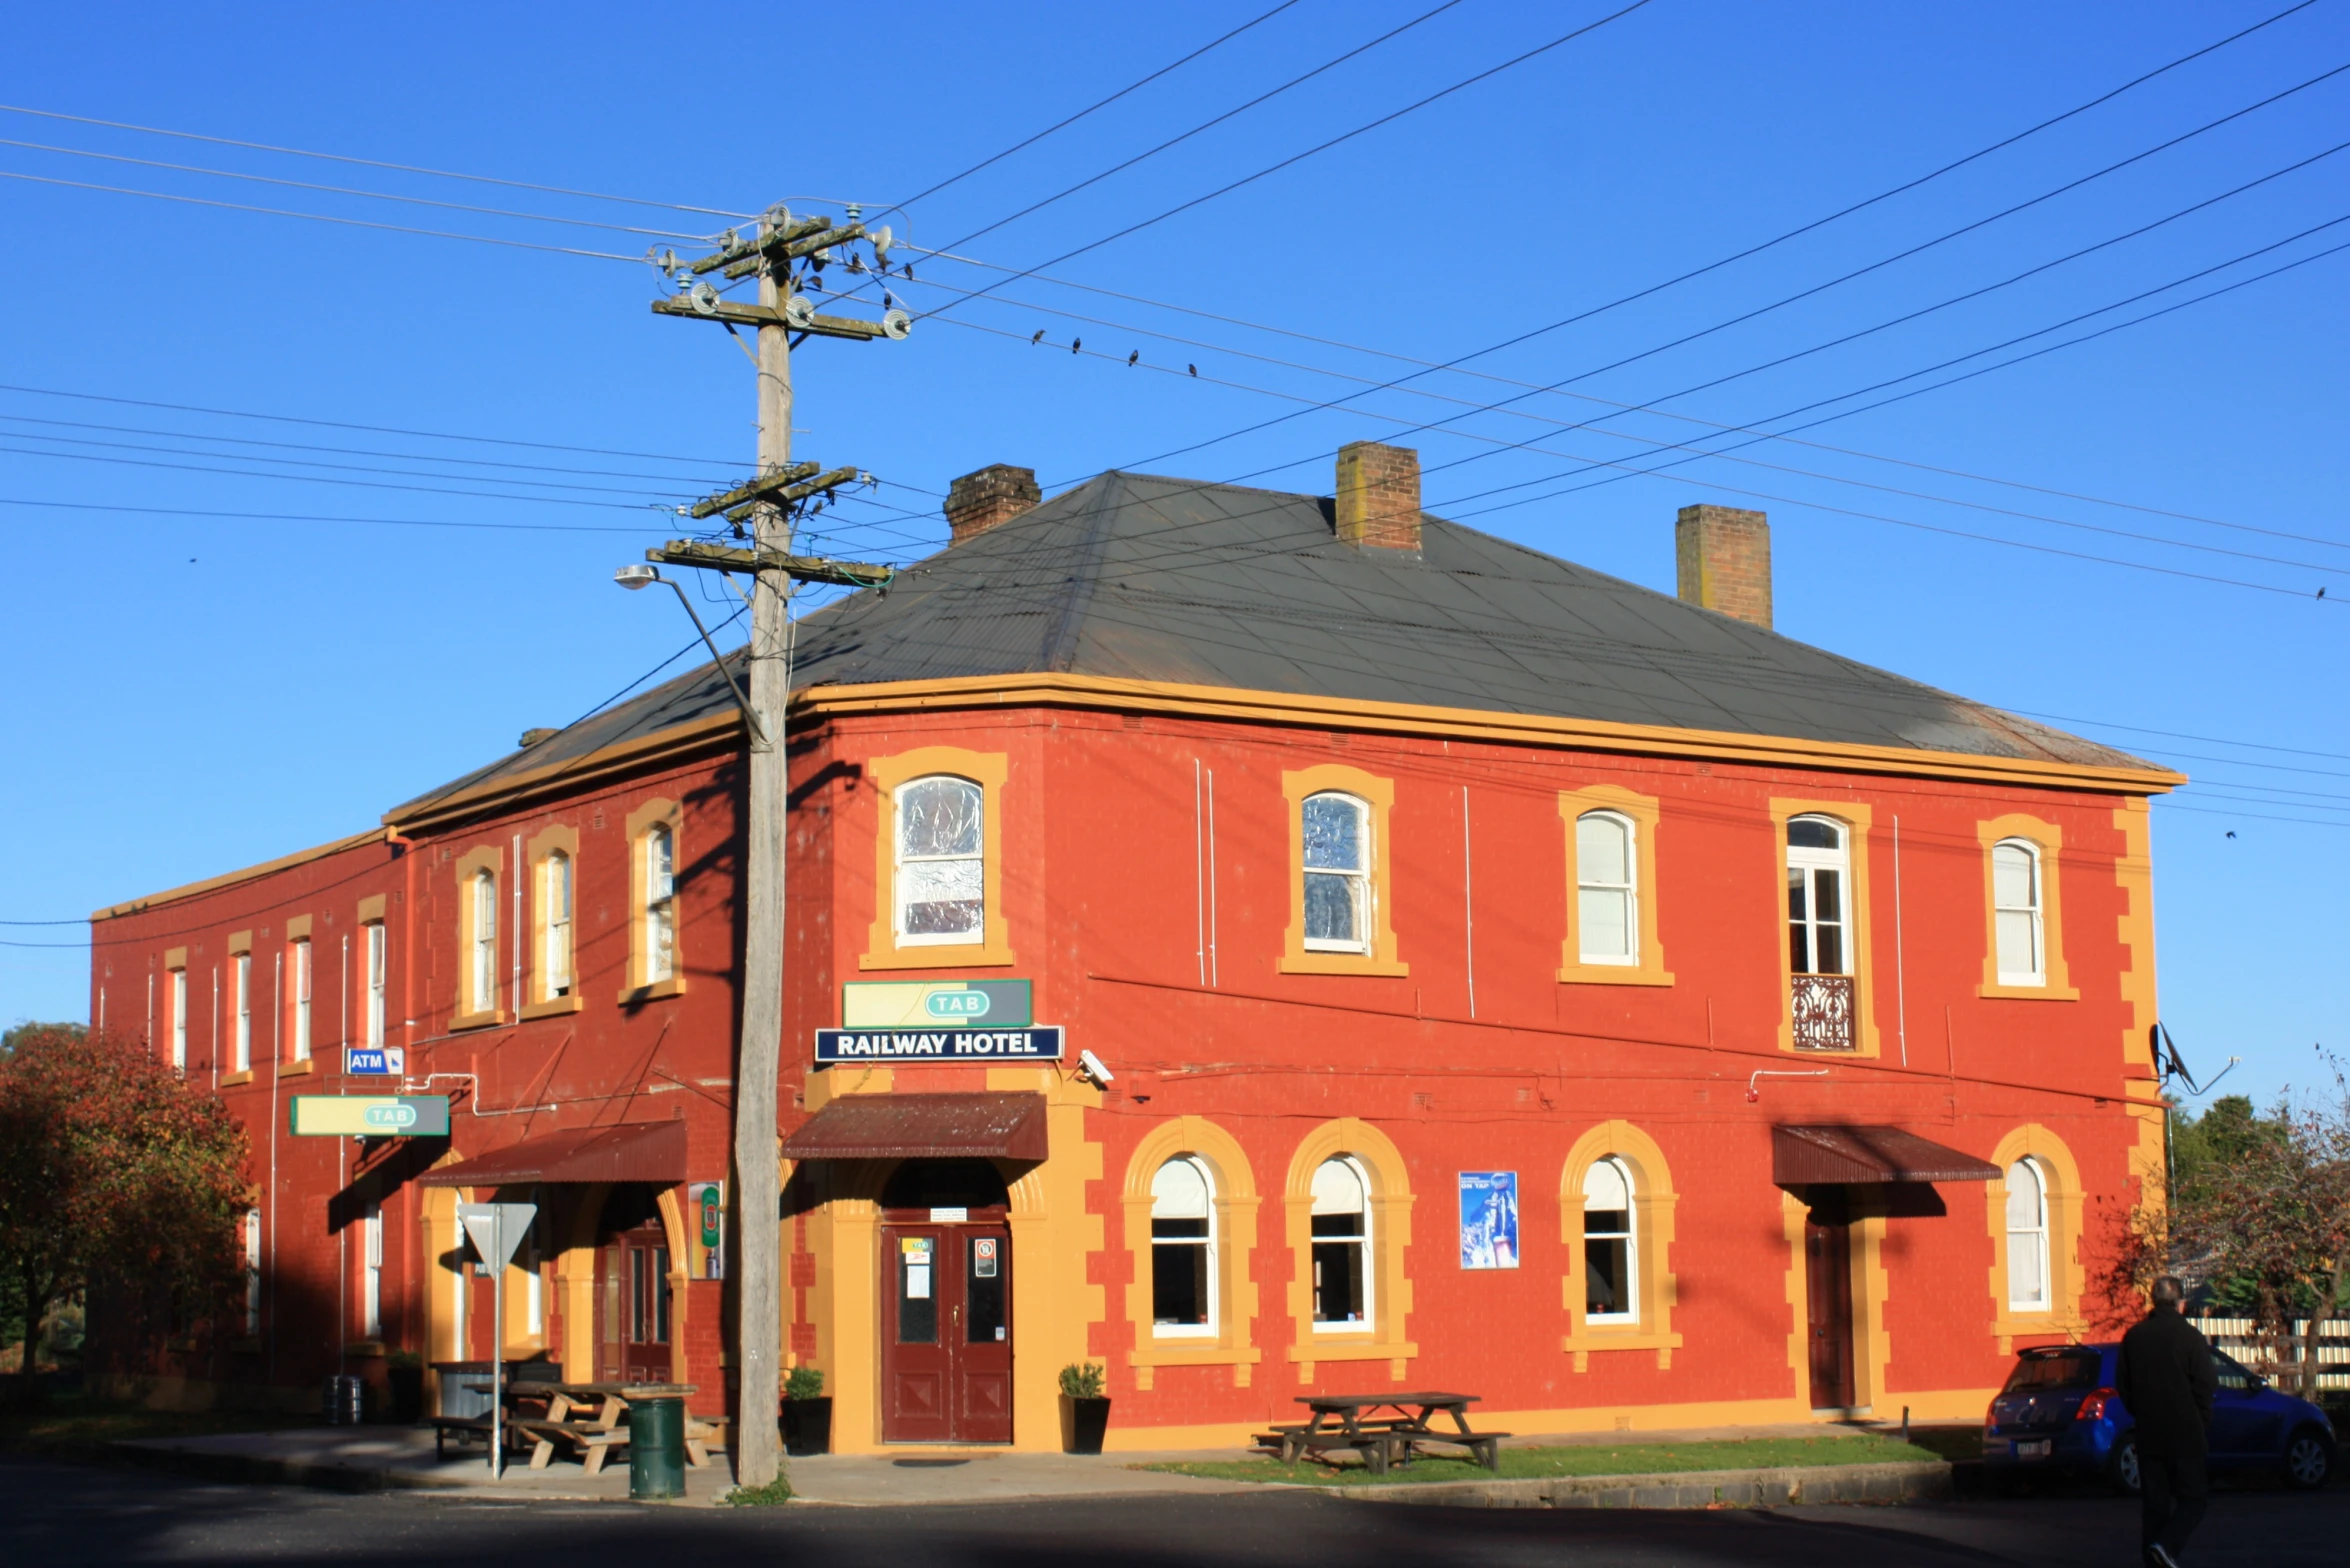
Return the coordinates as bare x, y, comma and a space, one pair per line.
983, 1262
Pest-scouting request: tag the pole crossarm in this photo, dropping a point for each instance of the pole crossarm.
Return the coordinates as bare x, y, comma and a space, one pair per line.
765, 242
761, 316
801, 568
755, 489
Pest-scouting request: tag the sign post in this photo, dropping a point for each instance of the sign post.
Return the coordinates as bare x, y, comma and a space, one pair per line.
496, 1230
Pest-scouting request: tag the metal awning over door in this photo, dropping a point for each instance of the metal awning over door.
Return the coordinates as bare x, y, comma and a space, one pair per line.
638, 1151
1859, 1155
1007, 1126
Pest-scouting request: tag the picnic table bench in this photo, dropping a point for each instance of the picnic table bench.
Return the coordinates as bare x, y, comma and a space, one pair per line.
1355, 1421
586, 1417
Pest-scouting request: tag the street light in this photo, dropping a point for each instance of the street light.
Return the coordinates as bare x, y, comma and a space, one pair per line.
640, 575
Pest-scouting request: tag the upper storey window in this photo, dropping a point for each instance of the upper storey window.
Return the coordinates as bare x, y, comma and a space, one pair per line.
483, 968
1819, 934
2016, 919
1337, 873
1607, 894
941, 863
660, 883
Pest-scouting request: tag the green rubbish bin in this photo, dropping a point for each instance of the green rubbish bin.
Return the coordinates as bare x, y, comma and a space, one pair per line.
656, 1447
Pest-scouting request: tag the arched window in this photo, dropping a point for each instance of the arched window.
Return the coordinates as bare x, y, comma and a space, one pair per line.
1610, 1289
484, 970
660, 903
1341, 1241
1817, 872
1607, 911
2027, 1237
941, 868
555, 925
1183, 1250
1337, 873
2015, 912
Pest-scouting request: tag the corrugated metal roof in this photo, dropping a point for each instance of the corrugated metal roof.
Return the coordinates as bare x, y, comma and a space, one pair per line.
923, 1126
1816, 1156
1132, 576
640, 1151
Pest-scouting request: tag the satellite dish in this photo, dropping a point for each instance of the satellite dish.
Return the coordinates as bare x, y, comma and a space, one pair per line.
799, 310
705, 299
896, 324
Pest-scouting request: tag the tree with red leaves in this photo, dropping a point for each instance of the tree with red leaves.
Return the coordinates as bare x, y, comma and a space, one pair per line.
114, 1173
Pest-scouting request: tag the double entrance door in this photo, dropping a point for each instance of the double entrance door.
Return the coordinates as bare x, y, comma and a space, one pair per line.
946, 1341
632, 1305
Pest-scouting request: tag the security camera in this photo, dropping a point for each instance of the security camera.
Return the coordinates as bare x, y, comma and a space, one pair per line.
1094, 1068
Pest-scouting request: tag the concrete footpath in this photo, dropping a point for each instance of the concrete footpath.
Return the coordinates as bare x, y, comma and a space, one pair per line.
383, 1458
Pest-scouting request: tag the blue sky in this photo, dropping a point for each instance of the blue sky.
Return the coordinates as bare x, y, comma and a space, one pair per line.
190, 693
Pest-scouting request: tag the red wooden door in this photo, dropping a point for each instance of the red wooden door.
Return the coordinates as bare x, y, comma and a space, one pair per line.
1827, 1253
632, 1344
946, 1341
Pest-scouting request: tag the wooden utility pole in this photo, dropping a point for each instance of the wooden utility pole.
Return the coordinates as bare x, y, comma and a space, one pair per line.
766, 506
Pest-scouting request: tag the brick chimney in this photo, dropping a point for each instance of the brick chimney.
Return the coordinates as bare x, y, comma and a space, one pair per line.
1724, 556
993, 496
1379, 496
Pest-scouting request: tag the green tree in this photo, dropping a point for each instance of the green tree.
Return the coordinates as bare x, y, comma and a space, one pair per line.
114, 1173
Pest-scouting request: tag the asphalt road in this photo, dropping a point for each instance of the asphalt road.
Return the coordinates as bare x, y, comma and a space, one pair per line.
77, 1517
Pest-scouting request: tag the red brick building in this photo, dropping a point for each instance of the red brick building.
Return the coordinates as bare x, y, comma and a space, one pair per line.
1508, 979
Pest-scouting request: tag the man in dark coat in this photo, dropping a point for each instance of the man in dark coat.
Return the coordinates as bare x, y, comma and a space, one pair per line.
2165, 1376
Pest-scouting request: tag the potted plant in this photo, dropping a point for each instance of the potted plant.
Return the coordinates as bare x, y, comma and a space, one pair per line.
807, 1413
1085, 1409
404, 1380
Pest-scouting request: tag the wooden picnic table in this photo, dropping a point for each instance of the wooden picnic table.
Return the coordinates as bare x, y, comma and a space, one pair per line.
1383, 1428
587, 1416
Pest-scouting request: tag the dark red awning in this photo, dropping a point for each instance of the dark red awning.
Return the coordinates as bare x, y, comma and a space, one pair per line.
923, 1127
1811, 1156
638, 1151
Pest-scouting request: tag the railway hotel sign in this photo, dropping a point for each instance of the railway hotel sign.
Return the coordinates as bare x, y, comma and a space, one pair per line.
938, 1021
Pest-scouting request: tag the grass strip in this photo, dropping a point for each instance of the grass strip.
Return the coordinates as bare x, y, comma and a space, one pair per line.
1528, 1464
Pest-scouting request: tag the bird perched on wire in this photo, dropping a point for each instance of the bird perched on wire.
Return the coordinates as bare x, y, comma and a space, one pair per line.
1075, 344
1136, 358
1194, 369
1039, 338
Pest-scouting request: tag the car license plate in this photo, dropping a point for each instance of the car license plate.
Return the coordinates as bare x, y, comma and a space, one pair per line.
2039, 1449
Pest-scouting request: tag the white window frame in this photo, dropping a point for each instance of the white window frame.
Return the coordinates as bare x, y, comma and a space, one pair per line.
1208, 1247
1357, 879
483, 971
1629, 1236
1586, 885
2033, 1237
1363, 1244
252, 1272
659, 848
179, 1020
377, 961
556, 893
302, 973
1807, 861
242, 973
901, 860
2030, 913
371, 1272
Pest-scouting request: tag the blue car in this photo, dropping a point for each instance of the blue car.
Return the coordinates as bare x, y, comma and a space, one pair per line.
2059, 1414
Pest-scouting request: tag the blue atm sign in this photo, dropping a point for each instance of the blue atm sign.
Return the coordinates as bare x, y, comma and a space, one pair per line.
376, 1061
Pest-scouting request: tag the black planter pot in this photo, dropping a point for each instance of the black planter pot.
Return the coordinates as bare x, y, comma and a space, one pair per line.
807, 1426
406, 1385
1083, 1421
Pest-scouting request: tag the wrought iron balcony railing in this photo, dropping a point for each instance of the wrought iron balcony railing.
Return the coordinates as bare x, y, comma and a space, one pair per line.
1823, 1013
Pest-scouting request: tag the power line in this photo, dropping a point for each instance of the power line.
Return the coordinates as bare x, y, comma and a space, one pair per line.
318, 517
1131, 87
1208, 124
345, 190
371, 163
302, 462
320, 217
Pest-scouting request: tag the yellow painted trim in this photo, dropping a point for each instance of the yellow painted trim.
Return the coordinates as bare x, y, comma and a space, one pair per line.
438, 1232
2046, 837
371, 910
535, 854
1855, 815
1378, 794
639, 986
476, 1012
298, 928
1653, 1202
680, 1271
1087, 691
987, 769
232, 878
297, 1069
1644, 812
1391, 1236
2067, 1273
239, 942
231, 1080
1056, 1306
1872, 1284
2133, 872
174, 958
1233, 1343
575, 1270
